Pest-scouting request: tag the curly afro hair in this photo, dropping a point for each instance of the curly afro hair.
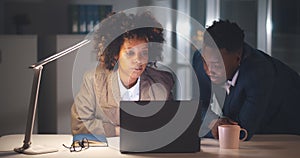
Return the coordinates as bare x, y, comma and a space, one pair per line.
113, 30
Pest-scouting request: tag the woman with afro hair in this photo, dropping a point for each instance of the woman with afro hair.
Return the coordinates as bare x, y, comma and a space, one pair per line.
128, 47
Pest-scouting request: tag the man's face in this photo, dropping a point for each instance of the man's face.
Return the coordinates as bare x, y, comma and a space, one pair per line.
220, 65
213, 65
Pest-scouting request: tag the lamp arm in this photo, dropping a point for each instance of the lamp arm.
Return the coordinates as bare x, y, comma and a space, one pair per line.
38, 68
32, 109
60, 54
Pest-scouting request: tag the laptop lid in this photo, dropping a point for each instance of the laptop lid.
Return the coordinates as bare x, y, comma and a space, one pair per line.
159, 126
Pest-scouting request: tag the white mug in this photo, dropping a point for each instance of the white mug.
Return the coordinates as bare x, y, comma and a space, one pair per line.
229, 136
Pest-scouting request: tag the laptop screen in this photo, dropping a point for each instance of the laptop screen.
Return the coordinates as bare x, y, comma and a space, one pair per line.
159, 126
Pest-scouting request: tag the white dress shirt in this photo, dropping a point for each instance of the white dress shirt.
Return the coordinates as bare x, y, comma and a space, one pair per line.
232, 83
215, 106
132, 94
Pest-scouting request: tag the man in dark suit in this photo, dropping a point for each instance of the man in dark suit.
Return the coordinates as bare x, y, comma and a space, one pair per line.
252, 89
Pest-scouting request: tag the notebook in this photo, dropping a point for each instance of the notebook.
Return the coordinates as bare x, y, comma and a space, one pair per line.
160, 126
92, 139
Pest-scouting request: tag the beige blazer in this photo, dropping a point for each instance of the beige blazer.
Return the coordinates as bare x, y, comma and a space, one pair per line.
96, 106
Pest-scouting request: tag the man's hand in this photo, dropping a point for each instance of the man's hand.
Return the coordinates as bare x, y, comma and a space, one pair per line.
217, 122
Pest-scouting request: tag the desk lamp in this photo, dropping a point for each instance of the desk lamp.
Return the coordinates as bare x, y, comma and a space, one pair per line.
27, 147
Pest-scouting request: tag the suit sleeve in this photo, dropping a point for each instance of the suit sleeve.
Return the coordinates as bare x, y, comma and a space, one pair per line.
83, 111
258, 86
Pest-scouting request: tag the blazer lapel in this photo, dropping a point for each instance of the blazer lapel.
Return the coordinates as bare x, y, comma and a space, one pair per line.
114, 94
228, 99
145, 92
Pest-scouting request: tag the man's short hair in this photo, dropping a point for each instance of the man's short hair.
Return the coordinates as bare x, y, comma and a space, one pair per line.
224, 34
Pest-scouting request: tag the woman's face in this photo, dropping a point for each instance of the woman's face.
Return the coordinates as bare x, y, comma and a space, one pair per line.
133, 59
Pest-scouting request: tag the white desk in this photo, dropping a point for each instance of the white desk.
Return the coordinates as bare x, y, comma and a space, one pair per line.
275, 146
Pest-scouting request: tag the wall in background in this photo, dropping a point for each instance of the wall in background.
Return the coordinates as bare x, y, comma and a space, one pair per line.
44, 17
16, 81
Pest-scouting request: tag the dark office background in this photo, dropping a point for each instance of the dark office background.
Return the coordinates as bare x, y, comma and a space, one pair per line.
51, 17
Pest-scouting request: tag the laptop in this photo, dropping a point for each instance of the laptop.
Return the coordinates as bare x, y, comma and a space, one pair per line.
160, 126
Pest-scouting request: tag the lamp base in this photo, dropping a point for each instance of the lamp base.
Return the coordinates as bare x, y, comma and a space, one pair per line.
35, 149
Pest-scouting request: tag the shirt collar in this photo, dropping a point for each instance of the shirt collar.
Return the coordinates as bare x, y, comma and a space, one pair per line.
234, 79
232, 82
131, 93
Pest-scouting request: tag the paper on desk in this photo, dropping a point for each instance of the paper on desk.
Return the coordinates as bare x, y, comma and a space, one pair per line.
114, 142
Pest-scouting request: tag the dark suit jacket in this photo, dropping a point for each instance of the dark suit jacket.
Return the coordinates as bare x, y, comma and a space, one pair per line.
266, 96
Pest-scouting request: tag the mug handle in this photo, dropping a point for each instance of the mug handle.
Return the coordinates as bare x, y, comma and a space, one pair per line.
246, 134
